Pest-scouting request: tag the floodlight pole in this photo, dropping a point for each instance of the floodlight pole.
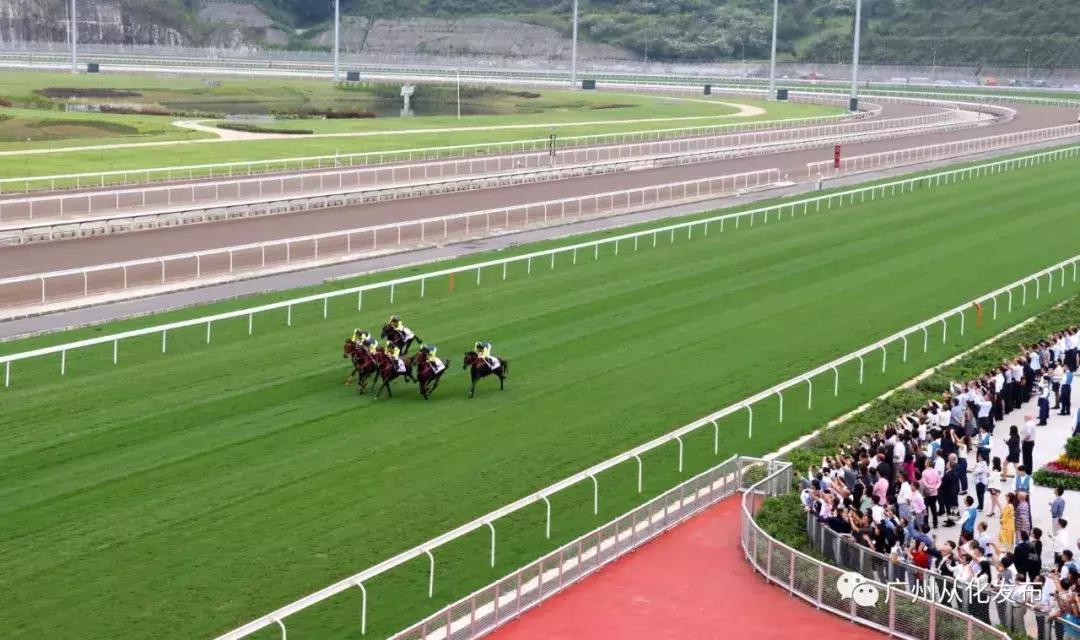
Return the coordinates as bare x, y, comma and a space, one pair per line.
772, 59
337, 36
459, 94
74, 39
855, 57
573, 48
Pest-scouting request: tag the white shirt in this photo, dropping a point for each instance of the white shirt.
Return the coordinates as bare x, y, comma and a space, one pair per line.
1072, 341
943, 418
984, 409
999, 382
1034, 361
939, 465
1027, 432
904, 495
1061, 540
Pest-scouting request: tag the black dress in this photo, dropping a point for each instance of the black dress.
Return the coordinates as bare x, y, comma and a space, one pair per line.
1014, 449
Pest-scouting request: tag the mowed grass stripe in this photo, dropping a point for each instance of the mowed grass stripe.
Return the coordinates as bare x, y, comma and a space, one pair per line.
176, 495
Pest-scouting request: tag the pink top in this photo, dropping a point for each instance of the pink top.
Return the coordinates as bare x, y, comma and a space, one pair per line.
931, 480
881, 489
917, 504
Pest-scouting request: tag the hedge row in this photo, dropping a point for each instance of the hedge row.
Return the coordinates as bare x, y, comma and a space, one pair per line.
254, 128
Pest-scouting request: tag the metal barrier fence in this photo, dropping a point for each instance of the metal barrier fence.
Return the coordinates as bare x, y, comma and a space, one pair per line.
901, 615
487, 521
308, 163
914, 155
58, 285
73, 205
370, 239
500, 602
1012, 610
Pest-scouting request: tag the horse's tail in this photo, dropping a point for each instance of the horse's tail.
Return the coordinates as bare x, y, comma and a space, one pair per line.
505, 367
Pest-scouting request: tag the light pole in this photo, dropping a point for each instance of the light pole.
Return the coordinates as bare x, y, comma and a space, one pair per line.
772, 59
74, 33
459, 94
573, 49
337, 36
855, 58
1028, 51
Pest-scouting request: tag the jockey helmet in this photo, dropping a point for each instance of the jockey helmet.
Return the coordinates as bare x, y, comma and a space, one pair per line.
395, 319
430, 348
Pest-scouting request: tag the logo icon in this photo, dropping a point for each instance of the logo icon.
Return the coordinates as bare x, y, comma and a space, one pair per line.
853, 586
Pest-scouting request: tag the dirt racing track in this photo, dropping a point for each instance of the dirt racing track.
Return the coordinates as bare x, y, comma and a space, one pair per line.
199, 232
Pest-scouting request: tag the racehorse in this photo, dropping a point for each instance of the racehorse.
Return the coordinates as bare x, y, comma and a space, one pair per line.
480, 369
363, 365
397, 338
425, 374
388, 372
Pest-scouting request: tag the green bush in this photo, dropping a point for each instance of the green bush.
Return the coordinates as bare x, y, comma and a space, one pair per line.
254, 128
784, 518
1055, 479
1072, 447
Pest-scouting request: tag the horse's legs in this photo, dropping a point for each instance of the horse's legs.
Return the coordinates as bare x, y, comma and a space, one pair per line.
472, 391
502, 380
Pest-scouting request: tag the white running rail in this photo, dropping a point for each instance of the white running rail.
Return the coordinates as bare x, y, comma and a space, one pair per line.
73, 205
805, 380
72, 283
126, 177
914, 155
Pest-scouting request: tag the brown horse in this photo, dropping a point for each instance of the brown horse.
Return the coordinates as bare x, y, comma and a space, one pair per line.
425, 374
480, 369
363, 365
388, 372
397, 338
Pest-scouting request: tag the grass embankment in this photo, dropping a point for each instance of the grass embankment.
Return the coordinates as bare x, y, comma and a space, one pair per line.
177, 495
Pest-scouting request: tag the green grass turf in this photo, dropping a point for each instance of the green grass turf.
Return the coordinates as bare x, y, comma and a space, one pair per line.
178, 495
647, 113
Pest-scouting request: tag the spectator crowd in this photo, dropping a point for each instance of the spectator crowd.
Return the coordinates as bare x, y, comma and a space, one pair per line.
965, 459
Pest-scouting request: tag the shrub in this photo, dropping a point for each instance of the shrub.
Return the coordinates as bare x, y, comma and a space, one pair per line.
254, 128
4, 102
1072, 448
784, 518
1047, 477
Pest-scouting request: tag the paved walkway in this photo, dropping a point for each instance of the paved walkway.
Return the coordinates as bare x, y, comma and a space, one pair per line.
1049, 445
691, 582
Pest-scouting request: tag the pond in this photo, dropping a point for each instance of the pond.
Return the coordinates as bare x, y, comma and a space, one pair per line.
381, 108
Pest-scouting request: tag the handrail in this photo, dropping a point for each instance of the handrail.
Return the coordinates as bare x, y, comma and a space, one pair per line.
816, 581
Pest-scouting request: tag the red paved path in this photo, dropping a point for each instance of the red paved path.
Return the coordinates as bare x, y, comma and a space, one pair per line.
691, 583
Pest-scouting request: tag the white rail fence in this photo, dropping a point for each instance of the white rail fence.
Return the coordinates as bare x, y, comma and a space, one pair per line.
371, 239
164, 270
805, 380
486, 609
901, 614
333, 181
913, 155
309, 163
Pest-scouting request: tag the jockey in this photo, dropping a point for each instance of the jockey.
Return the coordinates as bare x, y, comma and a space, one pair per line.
405, 332
394, 354
429, 351
483, 350
372, 345
359, 337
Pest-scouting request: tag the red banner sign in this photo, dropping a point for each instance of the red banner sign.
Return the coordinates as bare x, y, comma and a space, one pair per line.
836, 157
